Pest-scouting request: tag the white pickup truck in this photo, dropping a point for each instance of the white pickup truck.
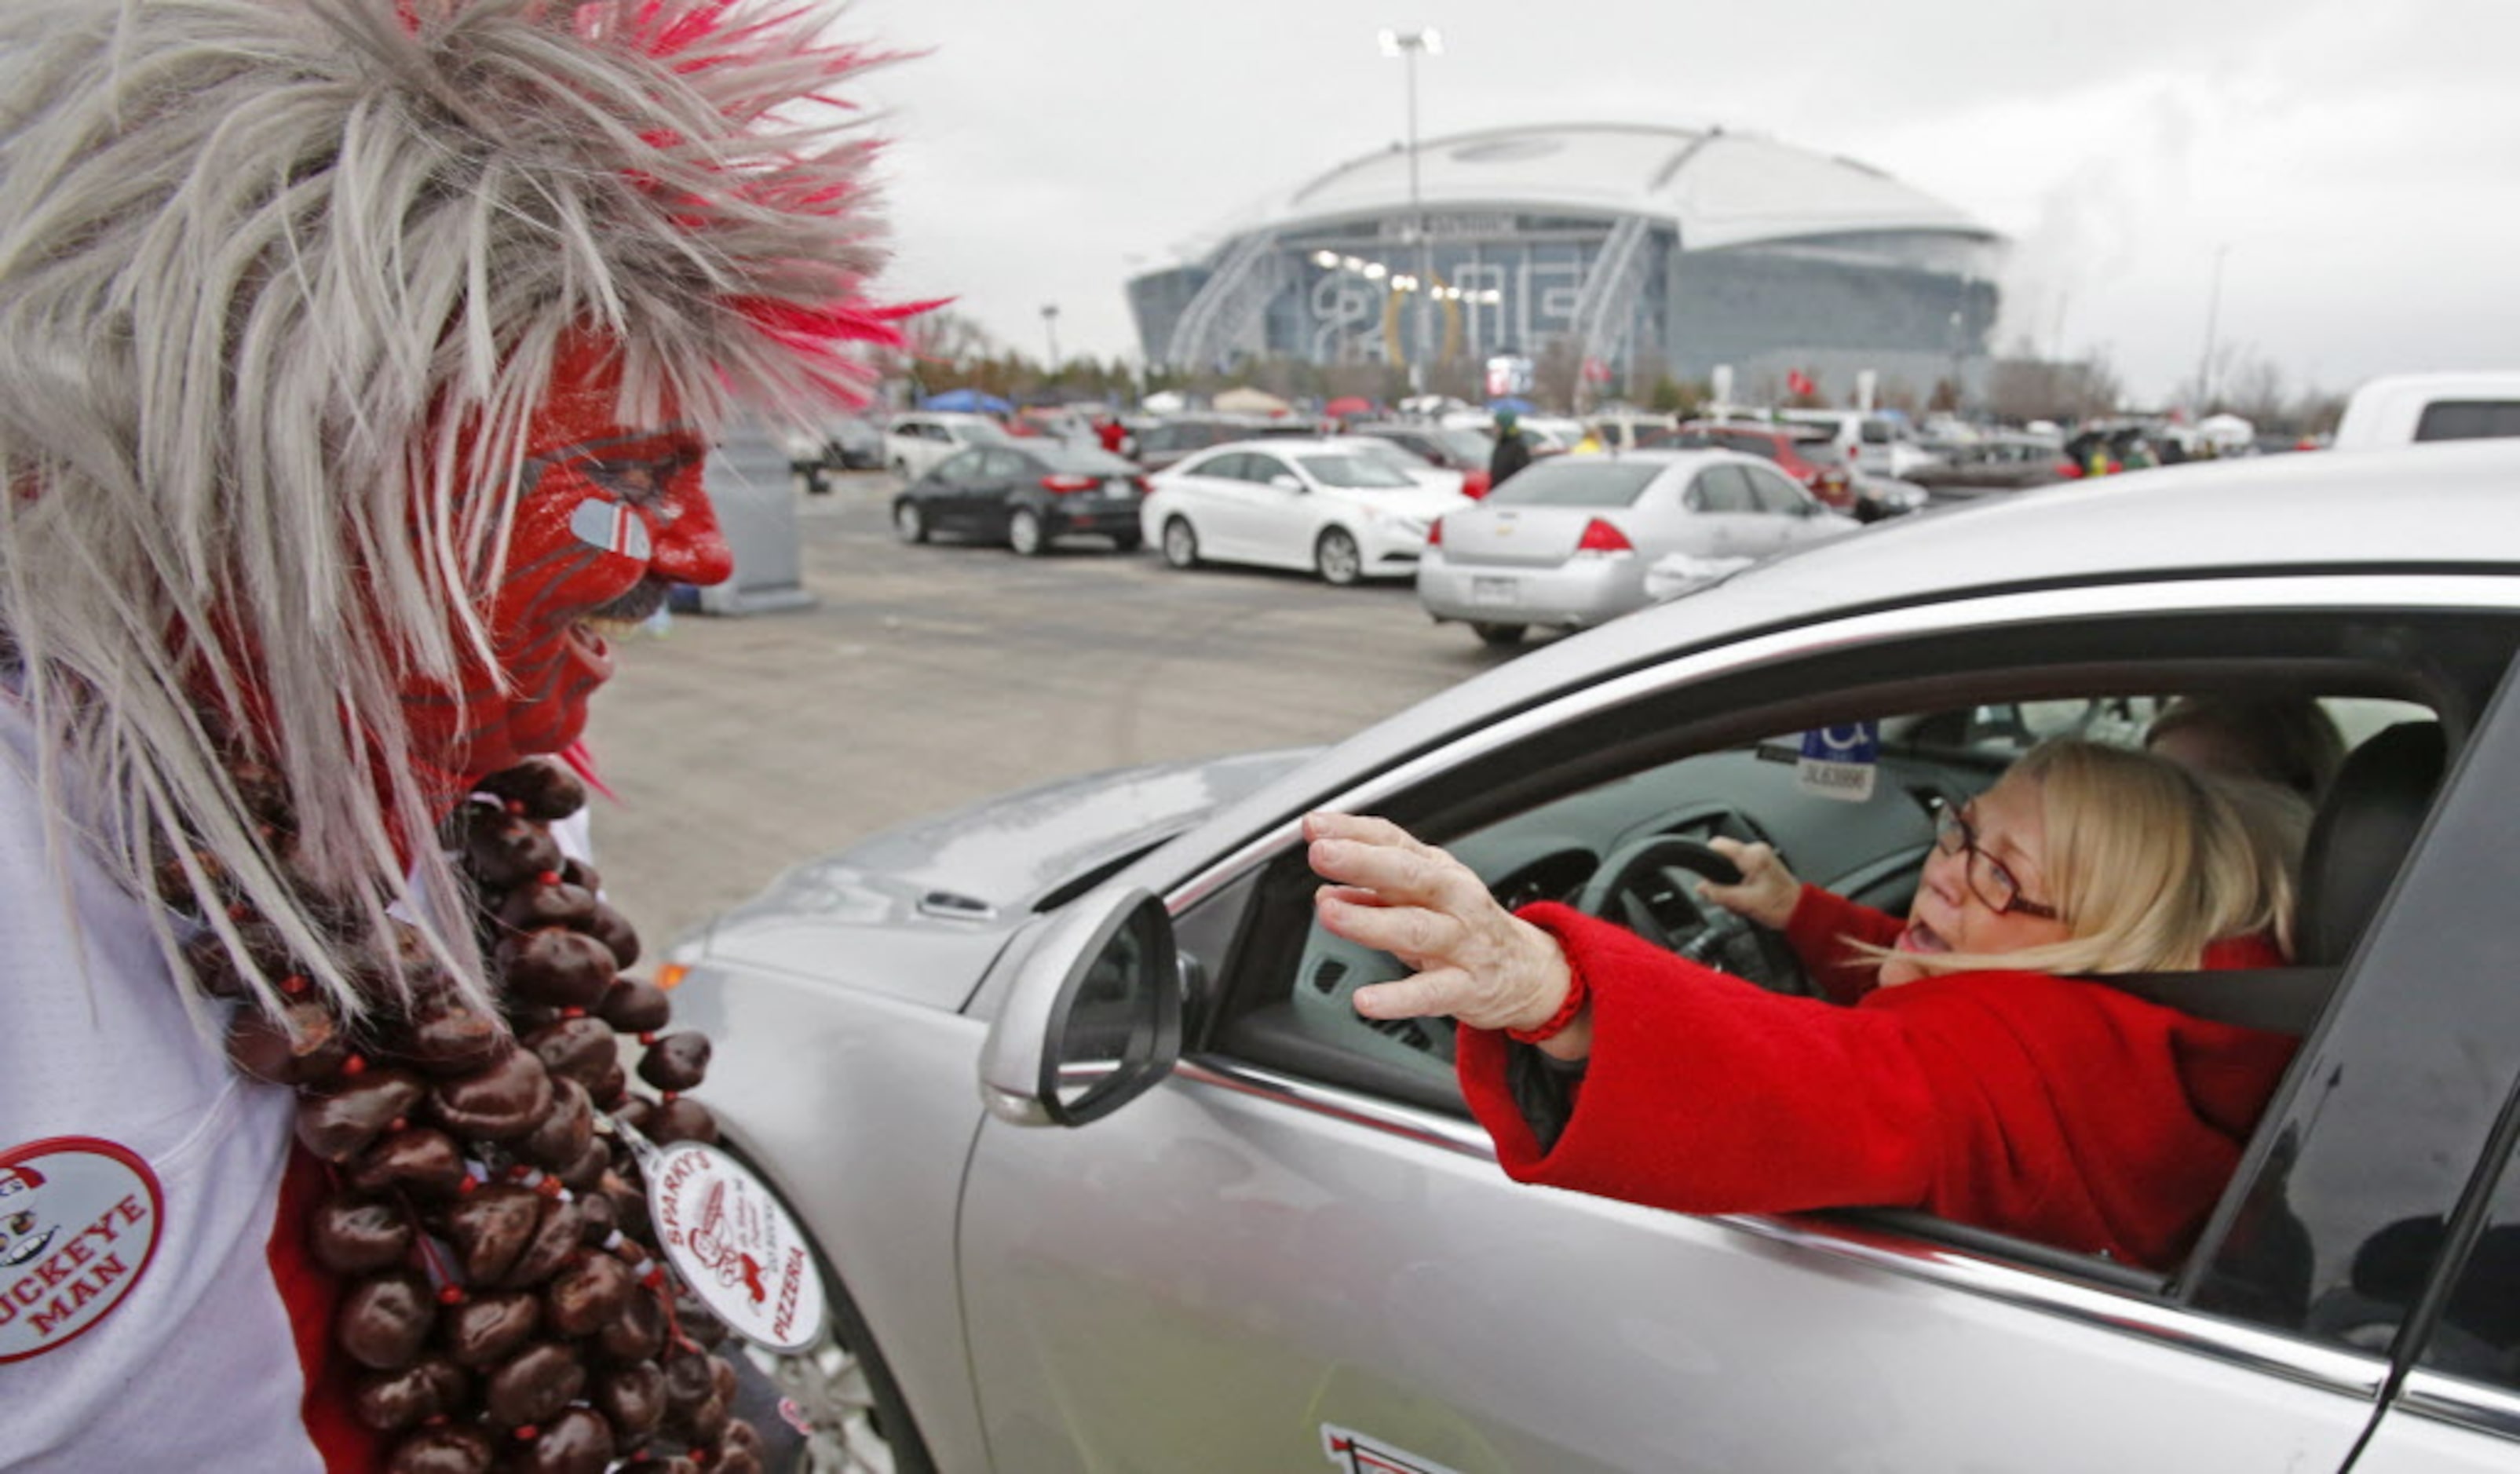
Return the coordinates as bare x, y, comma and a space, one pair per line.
2408, 409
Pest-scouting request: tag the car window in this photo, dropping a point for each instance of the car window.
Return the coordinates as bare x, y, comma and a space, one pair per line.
1263, 469
1002, 465
1159, 437
1356, 472
961, 468
2468, 420
1774, 493
1722, 488
1582, 481
1226, 465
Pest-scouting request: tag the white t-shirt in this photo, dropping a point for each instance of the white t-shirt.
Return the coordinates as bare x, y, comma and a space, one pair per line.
141, 1325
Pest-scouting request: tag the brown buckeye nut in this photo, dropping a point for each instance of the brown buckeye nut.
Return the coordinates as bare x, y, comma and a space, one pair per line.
442, 1449
586, 1174
421, 1159
682, 1119
546, 787
554, 965
639, 1333
351, 1235
704, 1422
553, 1242
634, 1007
535, 904
609, 1089
614, 930
448, 1035
732, 1459
506, 850
676, 1062
389, 1402
599, 1219
688, 1381
385, 1319
564, 1132
486, 1327
588, 1295
661, 1463
531, 1387
742, 1437
581, 875
577, 1441
697, 1322
489, 1229
637, 1112
501, 1103
633, 1397
629, 1204
338, 1126
300, 1045
576, 1048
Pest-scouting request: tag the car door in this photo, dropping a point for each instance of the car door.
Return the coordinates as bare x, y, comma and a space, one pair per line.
1786, 515
1722, 518
1195, 489
992, 494
944, 493
1296, 1251
1258, 520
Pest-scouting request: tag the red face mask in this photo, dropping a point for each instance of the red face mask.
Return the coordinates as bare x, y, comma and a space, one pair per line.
608, 519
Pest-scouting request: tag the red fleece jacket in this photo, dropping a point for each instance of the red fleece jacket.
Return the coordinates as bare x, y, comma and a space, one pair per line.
2063, 1111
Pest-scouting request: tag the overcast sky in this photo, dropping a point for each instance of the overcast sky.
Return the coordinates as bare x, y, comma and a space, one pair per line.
2355, 163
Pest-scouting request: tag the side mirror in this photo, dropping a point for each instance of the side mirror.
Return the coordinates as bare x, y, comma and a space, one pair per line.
1092, 1019
1286, 481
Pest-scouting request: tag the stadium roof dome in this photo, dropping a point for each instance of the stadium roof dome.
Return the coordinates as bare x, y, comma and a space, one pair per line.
1722, 188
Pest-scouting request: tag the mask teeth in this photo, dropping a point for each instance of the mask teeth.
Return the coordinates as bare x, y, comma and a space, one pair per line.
610, 627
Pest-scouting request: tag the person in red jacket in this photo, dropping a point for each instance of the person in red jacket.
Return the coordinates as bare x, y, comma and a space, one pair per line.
1955, 1067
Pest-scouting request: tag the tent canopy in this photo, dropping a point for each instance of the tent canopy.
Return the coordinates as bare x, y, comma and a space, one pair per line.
1245, 400
1350, 405
965, 402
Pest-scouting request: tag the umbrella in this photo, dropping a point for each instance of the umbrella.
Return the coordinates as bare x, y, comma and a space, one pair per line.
1351, 404
965, 402
1245, 400
1518, 406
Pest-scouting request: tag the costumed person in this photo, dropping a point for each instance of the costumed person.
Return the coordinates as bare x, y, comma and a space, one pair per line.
1958, 1069
1512, 449
358, 359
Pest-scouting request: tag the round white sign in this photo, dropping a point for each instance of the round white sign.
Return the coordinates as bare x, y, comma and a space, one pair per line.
80, 1221
736, 1245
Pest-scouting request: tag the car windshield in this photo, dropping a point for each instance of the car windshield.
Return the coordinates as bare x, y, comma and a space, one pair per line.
1389, 453
1082, 460
1585, 481
1467, 445
1354, 472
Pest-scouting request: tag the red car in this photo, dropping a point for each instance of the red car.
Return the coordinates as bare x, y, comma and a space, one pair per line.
1803, 452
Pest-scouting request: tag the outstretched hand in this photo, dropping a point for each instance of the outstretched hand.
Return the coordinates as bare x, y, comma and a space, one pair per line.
1471, 959
1767, 892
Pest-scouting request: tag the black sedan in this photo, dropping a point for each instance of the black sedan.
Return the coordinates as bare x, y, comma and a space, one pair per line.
1026, 495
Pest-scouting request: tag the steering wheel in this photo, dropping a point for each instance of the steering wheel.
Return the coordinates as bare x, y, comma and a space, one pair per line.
1646, 886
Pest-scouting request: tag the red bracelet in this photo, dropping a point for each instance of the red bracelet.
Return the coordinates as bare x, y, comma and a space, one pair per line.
1577, 996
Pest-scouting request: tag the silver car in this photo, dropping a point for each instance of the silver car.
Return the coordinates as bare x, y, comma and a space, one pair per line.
1565, 542
1108, 1174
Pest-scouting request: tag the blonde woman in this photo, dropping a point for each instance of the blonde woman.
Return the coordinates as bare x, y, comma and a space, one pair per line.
1956, 1071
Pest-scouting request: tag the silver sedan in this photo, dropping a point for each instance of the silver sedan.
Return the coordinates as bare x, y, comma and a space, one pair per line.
1106, 1172
1565, 543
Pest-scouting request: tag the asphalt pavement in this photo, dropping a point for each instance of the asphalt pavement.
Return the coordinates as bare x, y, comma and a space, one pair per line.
924, 678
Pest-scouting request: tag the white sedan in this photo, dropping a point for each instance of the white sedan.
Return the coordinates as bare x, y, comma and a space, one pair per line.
1295, 503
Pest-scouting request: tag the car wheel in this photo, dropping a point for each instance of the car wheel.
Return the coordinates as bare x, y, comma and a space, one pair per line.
1180, 544
1024, 534
843, 1394
908, 522
1127, 542
1501, 635
1336, 560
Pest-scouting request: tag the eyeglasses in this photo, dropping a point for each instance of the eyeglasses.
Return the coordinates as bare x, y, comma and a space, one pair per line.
1988, 879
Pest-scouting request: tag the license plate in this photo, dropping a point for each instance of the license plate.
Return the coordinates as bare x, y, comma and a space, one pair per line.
1118, 491
1493, 589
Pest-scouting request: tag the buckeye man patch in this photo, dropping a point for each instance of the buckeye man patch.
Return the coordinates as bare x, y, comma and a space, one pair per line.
80, 1221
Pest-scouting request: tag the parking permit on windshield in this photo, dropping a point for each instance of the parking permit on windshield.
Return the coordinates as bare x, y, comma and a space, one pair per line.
1839, 762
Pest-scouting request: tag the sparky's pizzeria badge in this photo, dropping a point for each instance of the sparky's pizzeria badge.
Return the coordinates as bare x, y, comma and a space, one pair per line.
736, 1246
80, 1221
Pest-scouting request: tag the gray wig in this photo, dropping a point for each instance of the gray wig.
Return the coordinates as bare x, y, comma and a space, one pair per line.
281, 283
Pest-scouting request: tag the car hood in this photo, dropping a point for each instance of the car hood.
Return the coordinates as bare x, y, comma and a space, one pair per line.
918, 911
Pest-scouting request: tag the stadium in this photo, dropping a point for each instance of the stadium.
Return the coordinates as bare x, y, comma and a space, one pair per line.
1669, 249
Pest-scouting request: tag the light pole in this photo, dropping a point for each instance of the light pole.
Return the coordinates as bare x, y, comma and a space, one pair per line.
1406, 45
2213, 309
1050, 326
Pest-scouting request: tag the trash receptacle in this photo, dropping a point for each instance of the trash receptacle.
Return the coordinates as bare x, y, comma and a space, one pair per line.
752, 486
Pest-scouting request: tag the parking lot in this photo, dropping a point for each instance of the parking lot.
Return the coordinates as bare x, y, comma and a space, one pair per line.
927, 677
